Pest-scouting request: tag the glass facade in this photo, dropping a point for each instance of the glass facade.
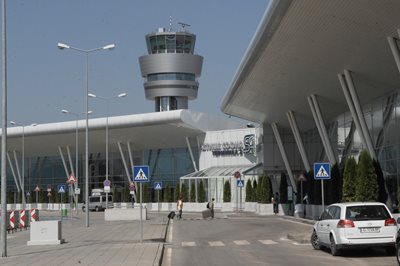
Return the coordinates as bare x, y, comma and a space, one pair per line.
171, 76
382, 117
179, 42
166, 165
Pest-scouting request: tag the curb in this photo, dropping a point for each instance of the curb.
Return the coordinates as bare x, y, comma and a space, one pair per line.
160, 251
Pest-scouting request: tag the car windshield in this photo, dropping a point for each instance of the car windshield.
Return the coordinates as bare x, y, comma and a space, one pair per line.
367, 212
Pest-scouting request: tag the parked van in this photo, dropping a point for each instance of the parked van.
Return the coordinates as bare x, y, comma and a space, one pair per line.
98, 203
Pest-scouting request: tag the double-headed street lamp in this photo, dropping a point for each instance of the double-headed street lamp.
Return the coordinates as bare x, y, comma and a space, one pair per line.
65, 111
86, 52
23, 159
107, 99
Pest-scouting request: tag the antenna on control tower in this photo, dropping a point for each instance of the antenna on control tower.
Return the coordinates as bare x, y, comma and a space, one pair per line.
183, 25
170, 24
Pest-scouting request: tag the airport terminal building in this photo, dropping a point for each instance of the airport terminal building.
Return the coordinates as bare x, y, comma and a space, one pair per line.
320, 78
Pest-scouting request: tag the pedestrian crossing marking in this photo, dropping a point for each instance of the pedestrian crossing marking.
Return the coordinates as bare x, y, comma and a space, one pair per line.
216, 243
241, 242
268, 242
322, 172
188, 244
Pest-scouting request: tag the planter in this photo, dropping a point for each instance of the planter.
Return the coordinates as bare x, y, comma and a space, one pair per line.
227, 206
265, 209
250, 206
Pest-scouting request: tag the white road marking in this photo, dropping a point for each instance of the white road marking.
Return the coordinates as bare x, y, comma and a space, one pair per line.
301, 244
169, 257
268, 242
216, 243
10, 237
296, 222
188, 244
241, 242
171, 230
284, 239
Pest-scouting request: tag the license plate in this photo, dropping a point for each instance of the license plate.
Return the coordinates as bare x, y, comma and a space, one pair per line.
369, 230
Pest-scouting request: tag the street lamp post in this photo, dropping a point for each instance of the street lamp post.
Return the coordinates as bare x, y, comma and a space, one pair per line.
23, 160
86, 52
106, 99
65, 111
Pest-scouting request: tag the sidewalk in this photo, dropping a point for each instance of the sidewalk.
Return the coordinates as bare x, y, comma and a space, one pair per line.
103, 243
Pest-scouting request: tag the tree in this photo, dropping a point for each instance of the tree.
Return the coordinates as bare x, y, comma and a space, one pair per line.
166, 193
254, 191
265, 190
146, 196
249, 191
201, 193
367, 188
259, 187
227, 191
192, 192
349, 180
184, 192
283, 189
126, 195
177, 191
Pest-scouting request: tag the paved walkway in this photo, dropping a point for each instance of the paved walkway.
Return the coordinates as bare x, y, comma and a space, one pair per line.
103, 243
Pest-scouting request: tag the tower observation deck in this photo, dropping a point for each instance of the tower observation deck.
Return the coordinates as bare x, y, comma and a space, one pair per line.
171, 68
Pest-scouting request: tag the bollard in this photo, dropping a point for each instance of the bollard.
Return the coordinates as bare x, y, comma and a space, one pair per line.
34, 215
13, 221
23, 222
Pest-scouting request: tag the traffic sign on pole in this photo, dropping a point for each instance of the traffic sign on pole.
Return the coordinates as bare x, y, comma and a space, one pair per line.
322, 171
141, 173
240, 183
61, 189
37, 188
107, 186
158, 185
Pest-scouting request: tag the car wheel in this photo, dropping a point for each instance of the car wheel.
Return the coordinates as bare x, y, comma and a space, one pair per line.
334, 248
97, 209
315, 241
398, 254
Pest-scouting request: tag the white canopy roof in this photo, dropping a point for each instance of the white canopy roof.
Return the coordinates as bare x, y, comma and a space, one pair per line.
145, 131
301, 46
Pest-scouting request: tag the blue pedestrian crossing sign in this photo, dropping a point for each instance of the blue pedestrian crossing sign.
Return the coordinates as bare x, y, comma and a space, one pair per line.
61, 189
141, 173
322, 171
240, 183
158, 185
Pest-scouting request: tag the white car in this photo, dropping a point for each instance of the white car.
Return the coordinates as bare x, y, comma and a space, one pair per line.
355, 225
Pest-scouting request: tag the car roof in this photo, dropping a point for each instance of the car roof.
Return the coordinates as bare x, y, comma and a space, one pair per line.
345, 204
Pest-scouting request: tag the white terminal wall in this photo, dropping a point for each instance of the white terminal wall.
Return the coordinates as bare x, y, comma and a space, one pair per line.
208, 159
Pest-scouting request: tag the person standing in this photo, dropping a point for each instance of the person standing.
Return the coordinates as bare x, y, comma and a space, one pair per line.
275, 202
179, 207
211, 207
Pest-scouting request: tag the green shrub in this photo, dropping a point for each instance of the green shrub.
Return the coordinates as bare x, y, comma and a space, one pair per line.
249, 191
265, 190
177, 191
367, 184
201, 192
166, 193
349, 180
184, 192
254, 191
193, 192
227, 191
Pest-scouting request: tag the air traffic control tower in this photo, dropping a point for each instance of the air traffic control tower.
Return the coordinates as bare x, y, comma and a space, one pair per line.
171, 68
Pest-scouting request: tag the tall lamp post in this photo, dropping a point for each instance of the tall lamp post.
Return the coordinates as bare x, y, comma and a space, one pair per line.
86, 52
107, 99
76, 115
23, 160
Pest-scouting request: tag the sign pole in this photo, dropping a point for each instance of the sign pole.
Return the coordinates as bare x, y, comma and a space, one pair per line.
141, 218
240, 195
322, 193
37, 197
158, 202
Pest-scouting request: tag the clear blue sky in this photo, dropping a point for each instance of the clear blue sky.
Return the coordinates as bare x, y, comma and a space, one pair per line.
42, 79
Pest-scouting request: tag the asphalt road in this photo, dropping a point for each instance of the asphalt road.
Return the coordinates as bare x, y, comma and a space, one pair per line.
254, 241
